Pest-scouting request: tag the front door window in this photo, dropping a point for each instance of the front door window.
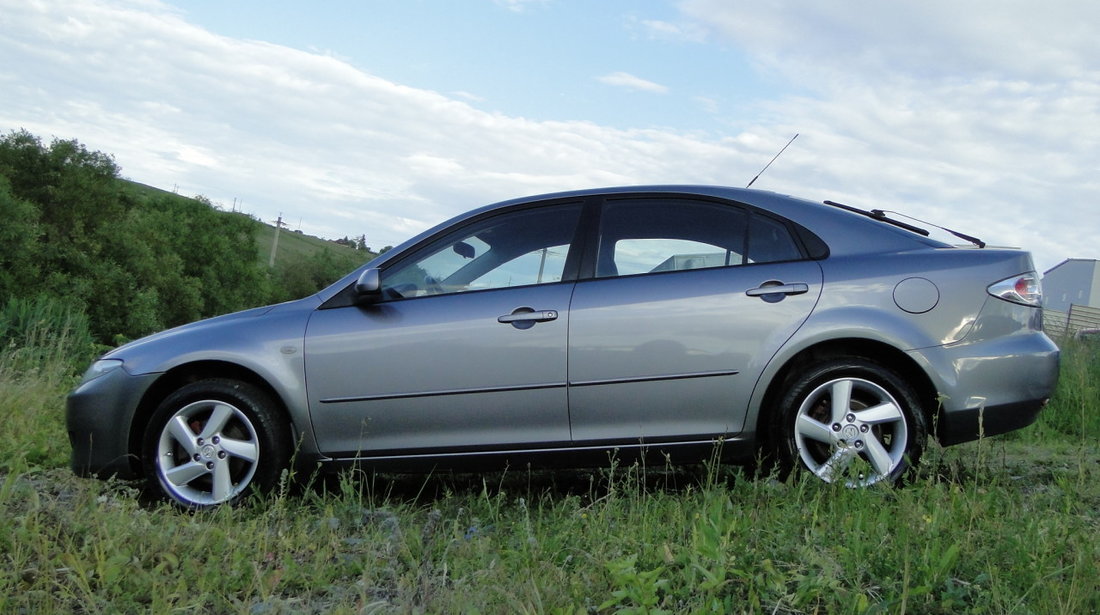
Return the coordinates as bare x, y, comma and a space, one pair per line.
518, 249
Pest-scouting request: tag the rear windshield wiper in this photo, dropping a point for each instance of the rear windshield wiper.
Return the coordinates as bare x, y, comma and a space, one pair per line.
880, 215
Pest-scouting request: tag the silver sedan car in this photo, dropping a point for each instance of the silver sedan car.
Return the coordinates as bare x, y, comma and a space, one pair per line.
565, 329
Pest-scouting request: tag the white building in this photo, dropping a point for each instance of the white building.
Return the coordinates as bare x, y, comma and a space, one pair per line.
1075, 281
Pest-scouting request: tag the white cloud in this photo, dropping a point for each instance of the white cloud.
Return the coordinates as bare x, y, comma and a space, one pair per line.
980, 115
468, 96
196, 156
707, 104
672, 31
957, 113
630, 82
519, 6
930, 38
295, 132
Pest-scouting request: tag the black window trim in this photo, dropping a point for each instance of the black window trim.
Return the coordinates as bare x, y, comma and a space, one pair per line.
580, 263
800, 235
347, 296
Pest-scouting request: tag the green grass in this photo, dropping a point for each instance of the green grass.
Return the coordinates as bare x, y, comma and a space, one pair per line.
1005, 525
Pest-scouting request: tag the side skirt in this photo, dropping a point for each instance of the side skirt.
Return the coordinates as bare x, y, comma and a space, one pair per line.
729, 449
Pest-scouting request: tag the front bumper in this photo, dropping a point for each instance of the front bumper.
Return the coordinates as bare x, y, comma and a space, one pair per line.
99, 415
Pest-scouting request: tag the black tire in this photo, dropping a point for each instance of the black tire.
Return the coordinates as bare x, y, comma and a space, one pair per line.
213, 441
876, 432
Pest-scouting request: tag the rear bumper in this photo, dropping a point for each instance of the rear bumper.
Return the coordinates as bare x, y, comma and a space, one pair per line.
992, 386
967, 425
98, 416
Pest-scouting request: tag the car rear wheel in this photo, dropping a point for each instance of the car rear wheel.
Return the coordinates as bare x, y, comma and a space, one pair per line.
852, 421
212, 441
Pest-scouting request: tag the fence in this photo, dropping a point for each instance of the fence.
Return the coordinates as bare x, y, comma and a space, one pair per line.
1059, 324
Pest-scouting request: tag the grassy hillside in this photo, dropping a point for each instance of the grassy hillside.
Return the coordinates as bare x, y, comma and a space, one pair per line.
134, 258
293, 246
296, 247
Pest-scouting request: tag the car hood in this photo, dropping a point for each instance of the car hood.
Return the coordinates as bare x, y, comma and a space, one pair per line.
199, 326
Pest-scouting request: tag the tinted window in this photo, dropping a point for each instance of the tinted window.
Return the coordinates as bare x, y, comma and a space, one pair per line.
654, 235
770, 241
514, 249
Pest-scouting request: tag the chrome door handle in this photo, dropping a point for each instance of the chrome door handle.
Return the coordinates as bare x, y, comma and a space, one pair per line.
521, 315
778, 288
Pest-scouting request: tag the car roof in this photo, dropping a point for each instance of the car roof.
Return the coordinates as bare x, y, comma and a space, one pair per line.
845, 233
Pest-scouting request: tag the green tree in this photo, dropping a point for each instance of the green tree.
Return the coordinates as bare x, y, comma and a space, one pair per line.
305, 277
134, 264
215, 250
77, 201
19, 246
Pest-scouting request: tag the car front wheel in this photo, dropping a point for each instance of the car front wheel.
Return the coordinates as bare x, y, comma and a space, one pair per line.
852, 421
212, 441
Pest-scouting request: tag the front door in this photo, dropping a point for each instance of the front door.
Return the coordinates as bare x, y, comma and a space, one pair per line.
466, 350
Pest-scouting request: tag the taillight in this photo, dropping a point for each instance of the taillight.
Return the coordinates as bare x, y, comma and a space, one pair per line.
1023, 289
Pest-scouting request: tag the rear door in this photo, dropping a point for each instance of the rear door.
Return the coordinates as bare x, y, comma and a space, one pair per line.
690, 299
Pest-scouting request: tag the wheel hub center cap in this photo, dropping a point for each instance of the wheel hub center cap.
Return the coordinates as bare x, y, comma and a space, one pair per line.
849, 433
208, 451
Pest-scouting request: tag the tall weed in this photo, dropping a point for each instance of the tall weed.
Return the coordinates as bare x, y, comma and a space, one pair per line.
43, 346
1074, 411
42, 335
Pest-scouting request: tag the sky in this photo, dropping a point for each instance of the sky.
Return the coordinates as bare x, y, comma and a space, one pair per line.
383, 118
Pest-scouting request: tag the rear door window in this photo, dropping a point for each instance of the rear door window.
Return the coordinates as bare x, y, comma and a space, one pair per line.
639, 236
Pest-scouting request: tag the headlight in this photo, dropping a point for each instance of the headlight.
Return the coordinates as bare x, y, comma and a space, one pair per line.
100, 368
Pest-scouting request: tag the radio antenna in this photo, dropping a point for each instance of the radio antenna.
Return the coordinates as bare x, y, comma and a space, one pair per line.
772, 160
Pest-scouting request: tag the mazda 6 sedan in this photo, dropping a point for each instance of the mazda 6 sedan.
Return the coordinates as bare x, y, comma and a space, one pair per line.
572, 328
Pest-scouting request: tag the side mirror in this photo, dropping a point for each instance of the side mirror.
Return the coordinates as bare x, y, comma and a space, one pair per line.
369, 285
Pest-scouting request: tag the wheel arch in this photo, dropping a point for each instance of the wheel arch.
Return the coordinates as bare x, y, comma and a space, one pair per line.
188, 373
871, 350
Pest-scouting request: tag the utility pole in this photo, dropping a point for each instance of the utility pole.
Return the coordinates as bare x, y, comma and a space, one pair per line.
542, 265
275, 244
